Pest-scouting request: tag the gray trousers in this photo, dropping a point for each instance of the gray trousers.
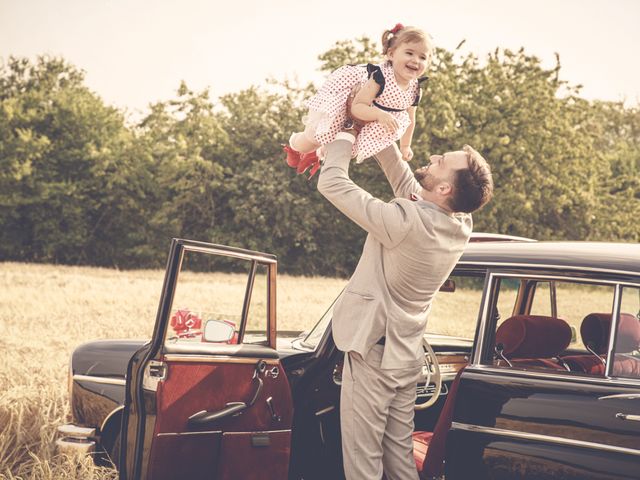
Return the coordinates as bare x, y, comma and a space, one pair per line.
376, 418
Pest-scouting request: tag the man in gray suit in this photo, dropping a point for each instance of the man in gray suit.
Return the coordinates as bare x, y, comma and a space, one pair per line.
413, 243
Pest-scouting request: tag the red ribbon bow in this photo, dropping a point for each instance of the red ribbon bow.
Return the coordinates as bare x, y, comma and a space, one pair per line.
186, 323
397, 28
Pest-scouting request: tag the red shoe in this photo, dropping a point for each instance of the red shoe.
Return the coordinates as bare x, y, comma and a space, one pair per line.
307, 161
314, 169
293, 156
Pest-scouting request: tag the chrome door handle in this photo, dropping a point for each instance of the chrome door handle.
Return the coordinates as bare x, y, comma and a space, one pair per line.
626, 416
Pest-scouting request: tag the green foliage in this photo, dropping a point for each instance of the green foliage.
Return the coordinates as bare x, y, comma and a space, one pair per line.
79, 185
59, 146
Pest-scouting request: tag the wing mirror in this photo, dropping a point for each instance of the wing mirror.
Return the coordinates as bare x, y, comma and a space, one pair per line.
218, 332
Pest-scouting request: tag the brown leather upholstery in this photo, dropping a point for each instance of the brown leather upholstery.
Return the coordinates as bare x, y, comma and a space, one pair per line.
532, 341
533, 336
595, 330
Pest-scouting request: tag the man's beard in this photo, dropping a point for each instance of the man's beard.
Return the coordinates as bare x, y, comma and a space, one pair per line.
425, 179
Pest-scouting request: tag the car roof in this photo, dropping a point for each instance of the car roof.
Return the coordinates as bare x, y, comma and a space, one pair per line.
594, 256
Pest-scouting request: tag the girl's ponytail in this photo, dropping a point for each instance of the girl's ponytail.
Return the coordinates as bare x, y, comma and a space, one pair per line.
389, 36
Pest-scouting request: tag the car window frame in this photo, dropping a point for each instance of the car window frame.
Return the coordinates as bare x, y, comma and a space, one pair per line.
486, 326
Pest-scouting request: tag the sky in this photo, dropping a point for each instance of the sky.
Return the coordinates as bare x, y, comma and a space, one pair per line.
136, 52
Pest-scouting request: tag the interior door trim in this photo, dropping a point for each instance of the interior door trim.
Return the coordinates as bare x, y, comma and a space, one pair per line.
219, 359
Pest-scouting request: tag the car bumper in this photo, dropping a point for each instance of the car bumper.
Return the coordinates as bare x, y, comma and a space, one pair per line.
72, 439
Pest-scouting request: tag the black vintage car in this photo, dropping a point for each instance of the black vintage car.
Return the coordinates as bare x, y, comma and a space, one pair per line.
536, 373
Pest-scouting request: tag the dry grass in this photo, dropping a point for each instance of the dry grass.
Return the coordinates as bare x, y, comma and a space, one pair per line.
46, 311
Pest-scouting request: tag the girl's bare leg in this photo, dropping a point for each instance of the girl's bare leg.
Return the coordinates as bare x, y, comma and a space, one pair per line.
303, 142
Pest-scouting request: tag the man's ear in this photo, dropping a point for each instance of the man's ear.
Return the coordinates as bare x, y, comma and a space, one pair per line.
444, 188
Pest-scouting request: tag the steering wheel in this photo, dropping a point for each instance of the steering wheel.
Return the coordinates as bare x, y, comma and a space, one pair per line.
432, 376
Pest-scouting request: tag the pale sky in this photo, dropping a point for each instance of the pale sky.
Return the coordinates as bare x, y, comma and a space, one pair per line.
136, 52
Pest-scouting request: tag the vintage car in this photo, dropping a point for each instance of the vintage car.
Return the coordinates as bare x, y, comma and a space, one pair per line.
533, 371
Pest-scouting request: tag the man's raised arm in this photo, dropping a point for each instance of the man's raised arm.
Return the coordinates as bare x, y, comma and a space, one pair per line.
385, 221
398, 172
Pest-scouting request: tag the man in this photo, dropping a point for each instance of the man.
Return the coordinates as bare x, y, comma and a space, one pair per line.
413, 243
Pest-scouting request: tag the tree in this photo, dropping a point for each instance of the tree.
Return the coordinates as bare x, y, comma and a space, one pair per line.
60, 144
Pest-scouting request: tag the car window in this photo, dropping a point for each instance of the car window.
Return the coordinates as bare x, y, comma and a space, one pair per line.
455, 308
314, 336
558, 325
506, 301
627, 343
209, 300
574, 302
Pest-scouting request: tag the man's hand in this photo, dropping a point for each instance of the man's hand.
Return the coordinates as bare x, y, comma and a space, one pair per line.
388, 121
407, 153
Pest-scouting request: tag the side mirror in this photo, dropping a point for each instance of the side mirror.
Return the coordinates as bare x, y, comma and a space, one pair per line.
448, 286
217, 331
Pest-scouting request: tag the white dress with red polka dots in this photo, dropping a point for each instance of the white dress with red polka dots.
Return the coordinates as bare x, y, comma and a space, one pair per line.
328, 107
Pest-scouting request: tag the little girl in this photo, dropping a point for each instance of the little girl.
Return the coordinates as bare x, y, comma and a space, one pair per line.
385, 102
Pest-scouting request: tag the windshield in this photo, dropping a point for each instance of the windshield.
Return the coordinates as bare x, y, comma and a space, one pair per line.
313, 337
454, 310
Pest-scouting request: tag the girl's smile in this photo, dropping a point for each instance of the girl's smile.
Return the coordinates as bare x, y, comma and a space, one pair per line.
409, 61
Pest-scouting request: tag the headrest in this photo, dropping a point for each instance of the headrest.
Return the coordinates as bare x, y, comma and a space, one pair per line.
533, 336
595, 330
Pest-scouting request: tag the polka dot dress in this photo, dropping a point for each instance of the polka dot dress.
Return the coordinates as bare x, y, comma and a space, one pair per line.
328, 108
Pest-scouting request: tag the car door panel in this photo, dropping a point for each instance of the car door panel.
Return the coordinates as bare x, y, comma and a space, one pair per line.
525, 426
168, 448
268, 455
199, 406
193, 386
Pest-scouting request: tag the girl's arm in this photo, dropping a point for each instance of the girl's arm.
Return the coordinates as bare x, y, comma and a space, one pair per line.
362, 109
405, 140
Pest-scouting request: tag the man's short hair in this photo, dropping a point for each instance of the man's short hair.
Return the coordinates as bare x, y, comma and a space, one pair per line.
472, 186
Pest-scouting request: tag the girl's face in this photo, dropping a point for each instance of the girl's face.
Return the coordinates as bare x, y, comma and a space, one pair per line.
409, 60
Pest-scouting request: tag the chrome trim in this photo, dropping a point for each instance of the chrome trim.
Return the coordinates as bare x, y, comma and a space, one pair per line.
628, 416
227, 253
258, 431
613, 331
543, 438
104, 380
621, 396
325, 410
108, 417
452, 354
551, 376
187, 434
551, 267
214, 358
533, 276
69, 447
477, 351
74, 431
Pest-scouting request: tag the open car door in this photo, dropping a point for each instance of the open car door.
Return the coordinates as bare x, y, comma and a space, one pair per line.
208, 397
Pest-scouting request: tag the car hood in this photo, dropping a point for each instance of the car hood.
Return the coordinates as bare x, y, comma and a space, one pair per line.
104, 358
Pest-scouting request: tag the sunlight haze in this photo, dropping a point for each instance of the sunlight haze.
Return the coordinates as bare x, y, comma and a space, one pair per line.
136, 52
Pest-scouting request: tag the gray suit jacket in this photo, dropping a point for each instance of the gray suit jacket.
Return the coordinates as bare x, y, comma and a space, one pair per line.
411, 249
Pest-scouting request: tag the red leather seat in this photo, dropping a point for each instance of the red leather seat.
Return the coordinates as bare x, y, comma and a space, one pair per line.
429, 447
533, 341
595, 330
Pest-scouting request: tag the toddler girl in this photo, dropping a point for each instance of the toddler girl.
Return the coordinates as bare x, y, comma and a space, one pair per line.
385, 102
